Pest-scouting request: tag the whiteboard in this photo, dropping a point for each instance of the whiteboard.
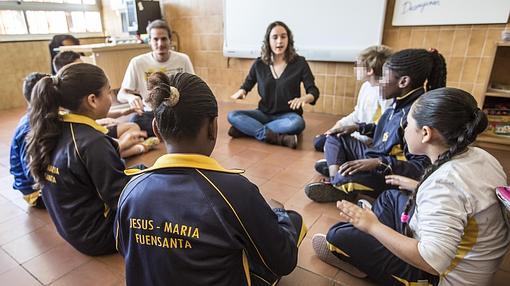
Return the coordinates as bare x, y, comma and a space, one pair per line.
450, 12
324, 30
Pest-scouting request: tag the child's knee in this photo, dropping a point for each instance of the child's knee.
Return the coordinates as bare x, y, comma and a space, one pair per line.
318, 142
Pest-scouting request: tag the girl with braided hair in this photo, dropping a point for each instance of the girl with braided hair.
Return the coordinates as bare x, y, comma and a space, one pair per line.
352, 167
187, 220
451, 230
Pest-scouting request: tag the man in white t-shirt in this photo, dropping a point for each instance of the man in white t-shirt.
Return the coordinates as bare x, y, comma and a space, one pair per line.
161, 58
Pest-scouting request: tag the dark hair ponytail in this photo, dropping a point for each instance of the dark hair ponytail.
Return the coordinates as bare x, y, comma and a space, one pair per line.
181, 103
66, 89
420, 65
455, 115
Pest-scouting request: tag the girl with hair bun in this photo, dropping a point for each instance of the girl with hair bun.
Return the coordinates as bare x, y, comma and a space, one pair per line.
451, 230
187, 219
72, 159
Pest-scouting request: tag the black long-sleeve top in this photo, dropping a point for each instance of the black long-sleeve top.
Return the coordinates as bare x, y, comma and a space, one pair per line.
276, 93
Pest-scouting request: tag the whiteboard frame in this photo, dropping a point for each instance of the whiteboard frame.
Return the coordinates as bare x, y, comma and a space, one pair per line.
315, 54
443, 12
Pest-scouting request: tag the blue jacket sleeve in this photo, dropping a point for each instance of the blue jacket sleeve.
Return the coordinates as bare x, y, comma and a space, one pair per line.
106, 170
367, 129
412, 166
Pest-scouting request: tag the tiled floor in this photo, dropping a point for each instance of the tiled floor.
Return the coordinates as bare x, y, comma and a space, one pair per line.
32, 253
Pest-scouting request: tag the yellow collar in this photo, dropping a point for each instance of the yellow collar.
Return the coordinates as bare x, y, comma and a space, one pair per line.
186, 161
409, 93
81, 119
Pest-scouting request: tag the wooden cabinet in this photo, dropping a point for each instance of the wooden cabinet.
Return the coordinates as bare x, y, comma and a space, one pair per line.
113, 59
496, 100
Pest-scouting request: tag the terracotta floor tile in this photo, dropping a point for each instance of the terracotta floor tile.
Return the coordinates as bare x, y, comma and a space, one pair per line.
277, 191
6, 188
237, 162
293, 177
90, 273
40, 214
28, 235
17, 227
114, 263
322, 225
303, 277
263, 171
8, 211
55, 263
6, 261
345, 279
259, 181
309, 261
33, 244
19, 277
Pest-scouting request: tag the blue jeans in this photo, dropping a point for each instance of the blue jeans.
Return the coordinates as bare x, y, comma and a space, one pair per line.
255, 123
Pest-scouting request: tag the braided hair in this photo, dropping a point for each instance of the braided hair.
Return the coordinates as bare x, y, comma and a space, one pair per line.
455, 115
181, 104
421, 65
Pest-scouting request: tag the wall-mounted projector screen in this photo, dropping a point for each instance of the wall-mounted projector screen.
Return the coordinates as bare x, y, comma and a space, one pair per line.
324, 30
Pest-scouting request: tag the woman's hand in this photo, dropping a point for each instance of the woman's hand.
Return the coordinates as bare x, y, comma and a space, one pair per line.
240, 94
353, 167
299, 102
403, 183
361, 218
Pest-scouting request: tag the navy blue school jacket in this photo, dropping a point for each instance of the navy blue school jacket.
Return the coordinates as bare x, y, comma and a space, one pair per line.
388, 138
188, 221
83, 184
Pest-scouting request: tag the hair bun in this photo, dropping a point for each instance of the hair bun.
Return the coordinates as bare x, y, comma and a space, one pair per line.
173, 97
433, 51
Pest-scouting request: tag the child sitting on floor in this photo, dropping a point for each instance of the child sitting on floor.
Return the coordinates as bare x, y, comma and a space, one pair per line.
131, 139
23, 180
451, 229
370, 104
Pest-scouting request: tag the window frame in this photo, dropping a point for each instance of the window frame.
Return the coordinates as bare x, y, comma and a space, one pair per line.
48, 6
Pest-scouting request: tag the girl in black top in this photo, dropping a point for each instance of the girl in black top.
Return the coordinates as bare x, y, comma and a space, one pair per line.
278, 74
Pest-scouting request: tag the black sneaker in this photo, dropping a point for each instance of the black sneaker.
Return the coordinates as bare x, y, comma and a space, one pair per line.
234, 133
321, 166
324, 192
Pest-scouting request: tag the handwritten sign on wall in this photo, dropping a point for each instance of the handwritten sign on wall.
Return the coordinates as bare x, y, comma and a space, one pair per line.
450, 12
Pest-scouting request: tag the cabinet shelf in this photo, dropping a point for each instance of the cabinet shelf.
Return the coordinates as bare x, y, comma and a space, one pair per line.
497, 93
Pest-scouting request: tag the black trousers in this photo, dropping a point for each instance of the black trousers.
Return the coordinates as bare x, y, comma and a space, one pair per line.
368, 254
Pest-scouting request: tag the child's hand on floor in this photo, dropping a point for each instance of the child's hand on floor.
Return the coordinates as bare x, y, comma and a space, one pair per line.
353, 167
361, 218
403, 183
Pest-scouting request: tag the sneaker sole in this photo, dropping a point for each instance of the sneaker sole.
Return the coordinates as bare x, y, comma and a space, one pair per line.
320, 246
324, 193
